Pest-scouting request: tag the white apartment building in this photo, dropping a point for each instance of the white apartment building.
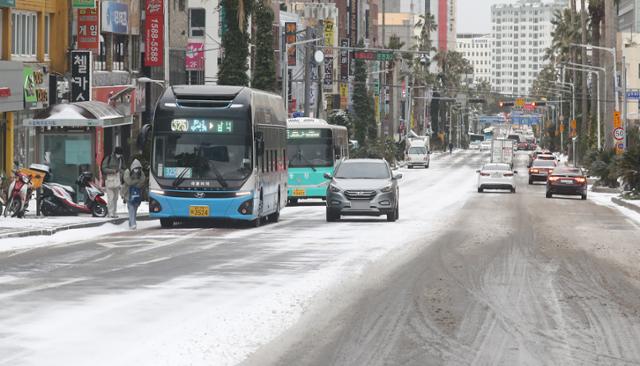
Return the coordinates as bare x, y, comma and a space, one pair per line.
521, 32
476, 48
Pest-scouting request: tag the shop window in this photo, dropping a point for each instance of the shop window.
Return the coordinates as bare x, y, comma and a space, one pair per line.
100, 60
196, 22
119, 51
47, 28
24, 30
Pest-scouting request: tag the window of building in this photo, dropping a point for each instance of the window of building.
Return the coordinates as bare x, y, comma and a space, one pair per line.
100, 60
24, 26
47, 28
119, 51
196, 22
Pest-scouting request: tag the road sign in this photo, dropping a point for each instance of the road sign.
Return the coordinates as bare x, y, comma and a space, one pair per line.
633, 94
520, 102
617, 122
618, 134
574, 128
373, 56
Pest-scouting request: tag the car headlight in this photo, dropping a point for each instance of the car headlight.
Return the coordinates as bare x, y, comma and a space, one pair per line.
387, 188
334, 188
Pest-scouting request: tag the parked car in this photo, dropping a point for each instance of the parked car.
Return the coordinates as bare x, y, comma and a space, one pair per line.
496, 176
540, 170
567, 181
485, 145
363, 187
475, 145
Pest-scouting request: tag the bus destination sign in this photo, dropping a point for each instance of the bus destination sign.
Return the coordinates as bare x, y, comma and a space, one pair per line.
202, 126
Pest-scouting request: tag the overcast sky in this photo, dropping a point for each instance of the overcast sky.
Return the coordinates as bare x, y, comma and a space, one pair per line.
474, 16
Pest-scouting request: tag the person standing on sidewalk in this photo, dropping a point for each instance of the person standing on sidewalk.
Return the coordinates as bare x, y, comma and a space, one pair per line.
134, 181
112, 167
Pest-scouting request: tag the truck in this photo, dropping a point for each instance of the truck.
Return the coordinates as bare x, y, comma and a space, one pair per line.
502, 151
418, 150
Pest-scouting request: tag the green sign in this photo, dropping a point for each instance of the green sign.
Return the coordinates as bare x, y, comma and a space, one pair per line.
36, 87
385, 56
8, 3
84, 4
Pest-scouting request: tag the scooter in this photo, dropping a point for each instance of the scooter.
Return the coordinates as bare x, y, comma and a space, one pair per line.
57, 199
18, 195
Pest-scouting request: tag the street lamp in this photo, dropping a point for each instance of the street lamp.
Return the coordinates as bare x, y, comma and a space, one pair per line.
612, 51
146, 80
597, 93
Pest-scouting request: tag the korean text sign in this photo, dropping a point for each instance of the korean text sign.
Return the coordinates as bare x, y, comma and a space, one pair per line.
88, 33
154, 33
80, 76
115, 17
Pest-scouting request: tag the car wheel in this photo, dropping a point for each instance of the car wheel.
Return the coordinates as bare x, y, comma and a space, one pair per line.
513, 190
480, 190
584, 196
391, 217
426, 166
332, 216
166, 223
410, 166
549, 195
530, 181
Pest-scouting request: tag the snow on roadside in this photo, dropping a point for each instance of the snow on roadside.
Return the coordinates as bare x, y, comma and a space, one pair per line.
211, 319
68, 236
604, 199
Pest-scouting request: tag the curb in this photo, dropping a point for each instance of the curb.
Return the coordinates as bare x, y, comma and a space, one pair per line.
605, 190
51, 231
624, 203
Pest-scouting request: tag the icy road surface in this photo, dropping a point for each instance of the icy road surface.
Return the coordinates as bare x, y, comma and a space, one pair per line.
206, 296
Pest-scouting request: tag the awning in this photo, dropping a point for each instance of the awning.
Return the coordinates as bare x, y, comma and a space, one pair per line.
80, 114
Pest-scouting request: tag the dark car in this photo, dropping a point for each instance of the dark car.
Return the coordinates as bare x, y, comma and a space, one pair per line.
363, 187
540, 170
567, 181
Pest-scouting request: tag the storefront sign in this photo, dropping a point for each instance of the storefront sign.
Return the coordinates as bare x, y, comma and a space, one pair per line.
80, 76
84, 4
154, 33
290, 34
8, 3
88, 34
120, 97
344, 60
328, 36
36, 87
115, 17
328, 73
353, 22
194, 59
11, 86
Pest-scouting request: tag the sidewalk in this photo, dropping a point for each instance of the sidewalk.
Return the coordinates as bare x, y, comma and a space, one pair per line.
32, 225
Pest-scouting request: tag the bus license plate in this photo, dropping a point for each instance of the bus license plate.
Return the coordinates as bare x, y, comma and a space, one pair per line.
299, 192
199, 211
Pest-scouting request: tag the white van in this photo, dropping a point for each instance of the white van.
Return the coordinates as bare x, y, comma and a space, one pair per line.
418, 155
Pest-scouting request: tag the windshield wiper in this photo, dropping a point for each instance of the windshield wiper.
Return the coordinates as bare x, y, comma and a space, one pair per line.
218, 175
302, 157
180, 178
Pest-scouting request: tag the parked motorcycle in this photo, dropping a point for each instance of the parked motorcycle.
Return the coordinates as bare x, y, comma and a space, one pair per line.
18, 194
57, 199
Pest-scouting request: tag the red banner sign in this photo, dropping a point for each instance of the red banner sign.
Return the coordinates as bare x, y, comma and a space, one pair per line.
88, 34
194, 60
154, 33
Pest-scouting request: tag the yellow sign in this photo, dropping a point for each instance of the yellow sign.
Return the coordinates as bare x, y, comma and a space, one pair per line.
344, 95
562, 128
376, 104
574, 128
520, 102
617, 121
328, 33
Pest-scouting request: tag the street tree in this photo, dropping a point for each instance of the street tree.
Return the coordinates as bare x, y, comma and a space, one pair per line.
235, 41
264, 72
364, 119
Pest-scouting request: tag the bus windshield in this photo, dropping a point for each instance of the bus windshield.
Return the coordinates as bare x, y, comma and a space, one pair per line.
309, 148
216, 157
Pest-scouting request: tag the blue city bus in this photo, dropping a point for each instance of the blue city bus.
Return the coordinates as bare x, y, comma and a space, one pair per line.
314, 147
217, 152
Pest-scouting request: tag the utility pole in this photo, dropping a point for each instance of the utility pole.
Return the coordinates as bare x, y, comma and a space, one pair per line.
624, 105
585, 127
307, 73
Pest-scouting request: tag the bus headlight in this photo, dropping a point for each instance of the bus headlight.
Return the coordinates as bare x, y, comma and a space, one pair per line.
157, 191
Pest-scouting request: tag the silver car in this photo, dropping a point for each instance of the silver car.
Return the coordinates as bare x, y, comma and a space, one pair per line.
363, 187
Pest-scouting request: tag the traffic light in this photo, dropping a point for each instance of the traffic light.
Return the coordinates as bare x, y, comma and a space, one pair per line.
503, 104
539, 104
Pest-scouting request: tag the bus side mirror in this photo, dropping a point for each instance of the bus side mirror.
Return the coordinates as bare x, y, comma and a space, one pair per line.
143, 136
259, 143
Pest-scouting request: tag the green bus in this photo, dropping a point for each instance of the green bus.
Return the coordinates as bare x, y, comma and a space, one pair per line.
314, 147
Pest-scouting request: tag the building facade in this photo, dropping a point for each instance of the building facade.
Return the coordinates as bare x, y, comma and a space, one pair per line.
628, 16
521, 32
445, 15
476, 48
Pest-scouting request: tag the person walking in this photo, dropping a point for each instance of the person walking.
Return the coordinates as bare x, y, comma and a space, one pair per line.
112, 167
134, 181
450, 148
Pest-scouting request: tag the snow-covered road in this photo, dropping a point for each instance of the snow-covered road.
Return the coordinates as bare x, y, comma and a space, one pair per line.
206, 296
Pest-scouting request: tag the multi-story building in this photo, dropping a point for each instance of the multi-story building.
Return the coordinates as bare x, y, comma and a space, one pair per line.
521, 32
29, 58
628, 16
445, 15
476, 48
